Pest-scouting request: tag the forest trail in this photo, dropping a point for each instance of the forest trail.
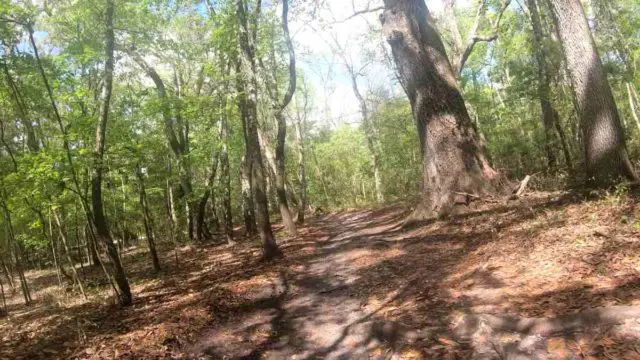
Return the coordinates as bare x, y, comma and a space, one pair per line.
360, 286
357, 285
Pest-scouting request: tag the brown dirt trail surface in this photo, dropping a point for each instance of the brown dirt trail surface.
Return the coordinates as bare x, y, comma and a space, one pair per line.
516, 281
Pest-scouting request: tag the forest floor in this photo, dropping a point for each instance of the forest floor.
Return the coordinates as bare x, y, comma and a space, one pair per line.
358, 285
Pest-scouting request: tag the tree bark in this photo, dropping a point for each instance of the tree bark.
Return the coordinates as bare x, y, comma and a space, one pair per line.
249, 98
605, 150
100, 221
453, 159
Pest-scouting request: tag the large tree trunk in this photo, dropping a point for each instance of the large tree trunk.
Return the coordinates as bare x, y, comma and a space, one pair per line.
100, 221
453, 159
605, 150
249, 98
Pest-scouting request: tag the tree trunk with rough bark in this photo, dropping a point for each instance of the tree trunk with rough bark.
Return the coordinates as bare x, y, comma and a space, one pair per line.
100, 221
606, 155
250, 97
453, 159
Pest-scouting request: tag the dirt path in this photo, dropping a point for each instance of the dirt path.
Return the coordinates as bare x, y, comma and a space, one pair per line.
358, 286
311, 310
550, 277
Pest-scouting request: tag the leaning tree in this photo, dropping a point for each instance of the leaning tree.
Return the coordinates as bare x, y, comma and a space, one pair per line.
454, 165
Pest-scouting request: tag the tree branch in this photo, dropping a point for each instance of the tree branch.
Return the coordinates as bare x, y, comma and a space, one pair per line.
473, 33
358, 13
292, 55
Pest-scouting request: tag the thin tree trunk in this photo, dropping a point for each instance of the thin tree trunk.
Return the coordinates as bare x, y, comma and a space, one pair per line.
250, 97
251, 229
372, 140
173, 221
370, 134
453, 159
605, 149
563, 141
8, 274
632, 105
148, 221
544, 90
15, 249
53, 246
178, 140
225, 180
63, 236
302, 178
4, 311
281, 124
32, 142
202, 204
91, 246
100, 221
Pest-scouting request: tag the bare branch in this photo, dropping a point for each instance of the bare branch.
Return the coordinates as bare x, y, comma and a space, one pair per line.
358, 13
473, 33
